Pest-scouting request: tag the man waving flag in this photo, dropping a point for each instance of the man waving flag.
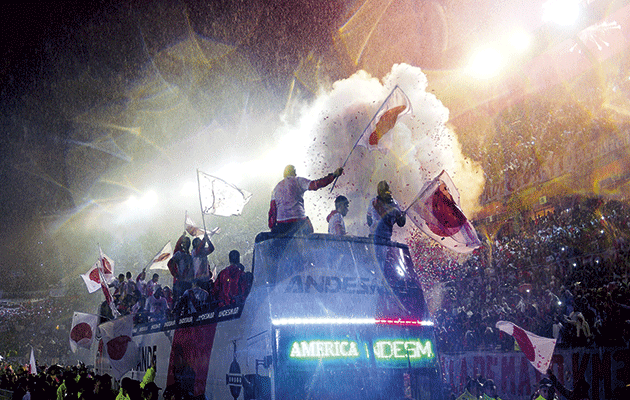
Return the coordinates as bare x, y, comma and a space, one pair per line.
437, 213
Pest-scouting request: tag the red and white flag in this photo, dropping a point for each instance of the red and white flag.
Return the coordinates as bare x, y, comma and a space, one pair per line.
196, 231
83, 330
538, 350
219, 197
437, 213
120, 349
108, 297
395, 105
92, 278
160, 261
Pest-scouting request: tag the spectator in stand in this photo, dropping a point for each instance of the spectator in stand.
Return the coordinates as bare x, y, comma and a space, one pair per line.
230, 287
181, 266
202, 248
157, 306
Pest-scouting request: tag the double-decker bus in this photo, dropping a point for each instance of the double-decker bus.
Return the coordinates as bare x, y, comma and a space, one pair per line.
327, 317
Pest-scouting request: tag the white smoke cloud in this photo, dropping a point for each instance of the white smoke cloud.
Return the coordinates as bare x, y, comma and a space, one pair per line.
420, 146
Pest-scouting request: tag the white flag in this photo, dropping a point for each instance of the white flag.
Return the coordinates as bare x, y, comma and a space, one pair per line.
437, 213
119, 346
160, 261
83, 330
538, 350
219, 197
32, 365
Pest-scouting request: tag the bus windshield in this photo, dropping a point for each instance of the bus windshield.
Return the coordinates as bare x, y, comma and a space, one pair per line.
323, 275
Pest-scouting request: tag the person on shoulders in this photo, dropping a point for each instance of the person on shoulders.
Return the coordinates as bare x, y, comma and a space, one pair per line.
286, 210
336, 224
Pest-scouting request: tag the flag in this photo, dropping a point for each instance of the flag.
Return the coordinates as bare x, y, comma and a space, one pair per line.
107, 266
92, 278
219, 197
83, 330
538, 350
32, 366
160, 260
437, 213
195, 231
396, 105
120, 349
108, 297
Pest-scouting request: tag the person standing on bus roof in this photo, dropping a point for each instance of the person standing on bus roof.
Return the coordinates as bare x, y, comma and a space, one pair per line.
286, 210
383, 212
181, 266
336, 224
230, 286
201, 249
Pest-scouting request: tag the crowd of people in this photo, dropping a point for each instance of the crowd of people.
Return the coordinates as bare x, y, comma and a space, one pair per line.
195, 289
80, 382
559, 275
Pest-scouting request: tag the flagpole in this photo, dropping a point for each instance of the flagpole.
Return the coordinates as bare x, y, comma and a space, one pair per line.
203, 219
363, 133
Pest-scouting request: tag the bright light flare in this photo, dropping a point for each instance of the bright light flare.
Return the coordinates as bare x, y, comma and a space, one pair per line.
189, 189
485, 63
520, 41
561, 12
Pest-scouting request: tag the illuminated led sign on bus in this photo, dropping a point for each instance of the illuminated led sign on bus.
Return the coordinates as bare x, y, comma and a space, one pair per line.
402, 349
384, 350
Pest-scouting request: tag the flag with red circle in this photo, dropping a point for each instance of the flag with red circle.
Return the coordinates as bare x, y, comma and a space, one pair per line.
437, 213
83, 330
538, 350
